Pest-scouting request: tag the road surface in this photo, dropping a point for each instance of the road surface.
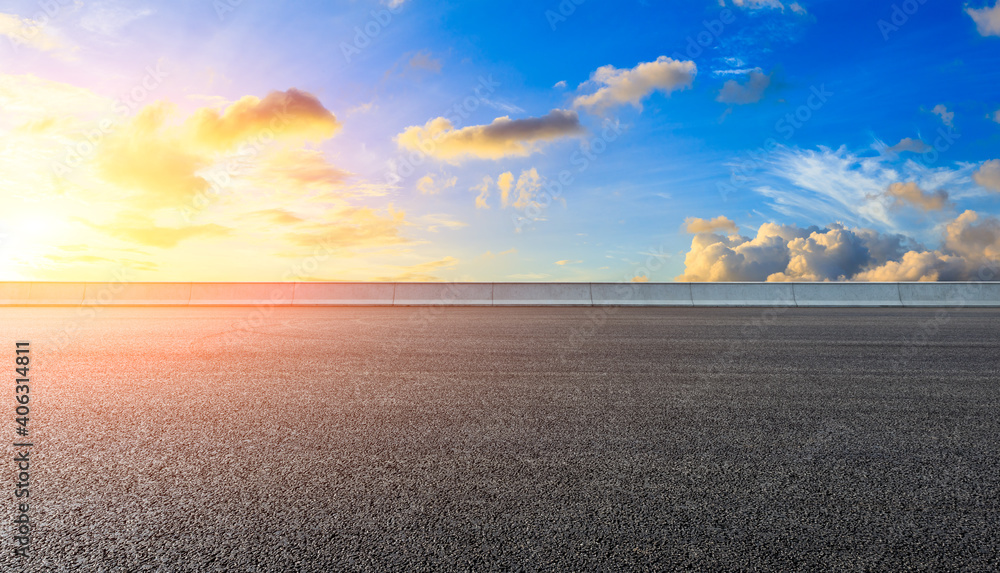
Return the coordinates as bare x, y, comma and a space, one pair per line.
409, 439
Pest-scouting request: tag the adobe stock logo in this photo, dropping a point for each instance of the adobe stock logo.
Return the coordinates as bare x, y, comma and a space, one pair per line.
563, 11
697, 44
899, 17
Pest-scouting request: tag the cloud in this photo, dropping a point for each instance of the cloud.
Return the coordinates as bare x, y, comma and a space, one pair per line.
837, 253
421, 272
631, 86
298, 167
988, 175
909, 144
948, 117
277, 216
288, 114
529, 276
819, 185
503, 138
560, 85
107, 19
987, 19
565, 262
31, 33
139, 228
395, 3
996, 116
488, 255
424, 61
153, 162
40, 126
351, 227
720, 223
773, 4
161, 163
529, 183
973, 237
428, 186
26, 97
484, 193
912, 194
640, 279
506, 183
750, 92
90, 260
435, 222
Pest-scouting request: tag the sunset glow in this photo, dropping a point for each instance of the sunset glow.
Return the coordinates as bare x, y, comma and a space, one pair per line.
515, 141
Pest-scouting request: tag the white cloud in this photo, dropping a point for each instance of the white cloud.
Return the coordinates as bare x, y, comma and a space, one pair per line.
107, 18
988, 175
529, 183
631, 86
948, 117
825, 184
837, 253
424, 61
773, 4
34, 34
987, 19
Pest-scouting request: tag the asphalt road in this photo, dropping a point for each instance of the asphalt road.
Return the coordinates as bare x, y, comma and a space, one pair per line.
409, 439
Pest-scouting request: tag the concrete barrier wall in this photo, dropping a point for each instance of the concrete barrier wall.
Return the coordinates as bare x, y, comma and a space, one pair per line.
641, 294
145, 294
950, 294
946, 294
343, 294
240, 294
742, 294
846, 294
548, 294
15, 293
62, 294
444, 294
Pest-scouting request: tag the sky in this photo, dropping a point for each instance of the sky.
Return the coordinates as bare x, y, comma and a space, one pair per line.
572, 140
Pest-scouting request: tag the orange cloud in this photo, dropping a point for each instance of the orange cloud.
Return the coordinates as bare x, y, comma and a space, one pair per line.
292, 113
914, 195
988, 175
720, 223
352, 227
300, 167
503, 138
151, 160
137, 228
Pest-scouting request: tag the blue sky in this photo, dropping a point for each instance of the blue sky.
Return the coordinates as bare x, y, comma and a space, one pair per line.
637, 140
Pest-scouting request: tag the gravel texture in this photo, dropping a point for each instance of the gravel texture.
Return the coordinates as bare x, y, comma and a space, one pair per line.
481, 439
